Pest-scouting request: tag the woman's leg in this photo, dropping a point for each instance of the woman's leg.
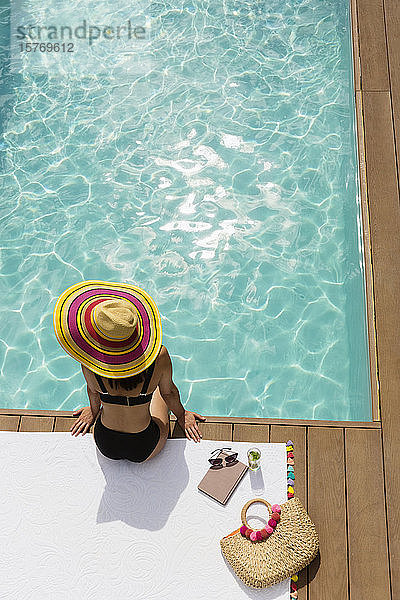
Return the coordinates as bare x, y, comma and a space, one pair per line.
159, 412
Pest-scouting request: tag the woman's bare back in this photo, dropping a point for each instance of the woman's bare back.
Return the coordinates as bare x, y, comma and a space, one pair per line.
129, 419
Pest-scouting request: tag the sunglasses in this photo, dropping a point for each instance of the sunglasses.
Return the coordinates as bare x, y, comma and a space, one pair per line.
217, 462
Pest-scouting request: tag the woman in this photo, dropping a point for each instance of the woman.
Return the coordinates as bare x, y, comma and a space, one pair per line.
114, 331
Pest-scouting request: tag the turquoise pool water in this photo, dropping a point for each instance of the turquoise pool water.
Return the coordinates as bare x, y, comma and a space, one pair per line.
214, 164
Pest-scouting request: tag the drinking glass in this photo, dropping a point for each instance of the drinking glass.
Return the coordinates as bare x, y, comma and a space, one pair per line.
254, 458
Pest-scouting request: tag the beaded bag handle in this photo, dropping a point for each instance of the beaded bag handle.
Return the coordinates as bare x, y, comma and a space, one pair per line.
258, 535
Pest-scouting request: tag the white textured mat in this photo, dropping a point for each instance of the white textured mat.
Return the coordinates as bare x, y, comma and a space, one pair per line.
76, 525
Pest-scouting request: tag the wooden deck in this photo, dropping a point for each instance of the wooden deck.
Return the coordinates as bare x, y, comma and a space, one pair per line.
346, 472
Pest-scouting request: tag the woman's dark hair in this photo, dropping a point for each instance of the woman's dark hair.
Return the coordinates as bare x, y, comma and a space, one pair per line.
127, 383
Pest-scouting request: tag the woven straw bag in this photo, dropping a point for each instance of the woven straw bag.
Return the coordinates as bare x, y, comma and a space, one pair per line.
291, 547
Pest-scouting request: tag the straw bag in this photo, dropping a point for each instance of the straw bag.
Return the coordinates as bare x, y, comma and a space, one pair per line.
282, 548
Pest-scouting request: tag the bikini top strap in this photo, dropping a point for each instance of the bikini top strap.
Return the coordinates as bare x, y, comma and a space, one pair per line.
101, 384
149, 374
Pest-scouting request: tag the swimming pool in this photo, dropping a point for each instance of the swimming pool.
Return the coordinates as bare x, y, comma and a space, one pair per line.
215, 165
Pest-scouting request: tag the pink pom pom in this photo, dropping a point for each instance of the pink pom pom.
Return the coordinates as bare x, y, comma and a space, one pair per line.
276, 517
264, 534
276, 508
243, 529
259, 536
253, 536
269, 529
272, 523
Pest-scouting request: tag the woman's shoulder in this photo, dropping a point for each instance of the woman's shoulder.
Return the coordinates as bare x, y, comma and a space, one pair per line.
163, 351
160, 358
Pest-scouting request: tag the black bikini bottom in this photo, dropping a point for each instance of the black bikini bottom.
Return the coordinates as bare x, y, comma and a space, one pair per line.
135, 447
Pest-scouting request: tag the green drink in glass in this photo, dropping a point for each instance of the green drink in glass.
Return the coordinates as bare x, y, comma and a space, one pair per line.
254, 458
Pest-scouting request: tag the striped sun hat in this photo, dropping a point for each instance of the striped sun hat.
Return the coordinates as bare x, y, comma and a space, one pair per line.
114, 329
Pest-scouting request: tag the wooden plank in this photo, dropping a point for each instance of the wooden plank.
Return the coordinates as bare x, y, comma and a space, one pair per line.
392, 14
216, 431
372, 44
385, 227
9, 423
31, 412
251, 433
299, 439
369, 285
367, 527
328, 574
291, 422
210, 431
65, 424
36, 424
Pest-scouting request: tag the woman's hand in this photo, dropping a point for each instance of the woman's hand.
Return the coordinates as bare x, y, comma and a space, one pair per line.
189, 425
83, 423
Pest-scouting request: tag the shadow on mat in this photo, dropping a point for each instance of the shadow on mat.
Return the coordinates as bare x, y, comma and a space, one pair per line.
143, 495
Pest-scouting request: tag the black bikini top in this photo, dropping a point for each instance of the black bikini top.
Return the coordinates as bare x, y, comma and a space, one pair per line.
143, 398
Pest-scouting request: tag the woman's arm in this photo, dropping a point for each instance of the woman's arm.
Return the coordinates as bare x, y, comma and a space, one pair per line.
95, 403
168, 390
170, 394
94, 397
